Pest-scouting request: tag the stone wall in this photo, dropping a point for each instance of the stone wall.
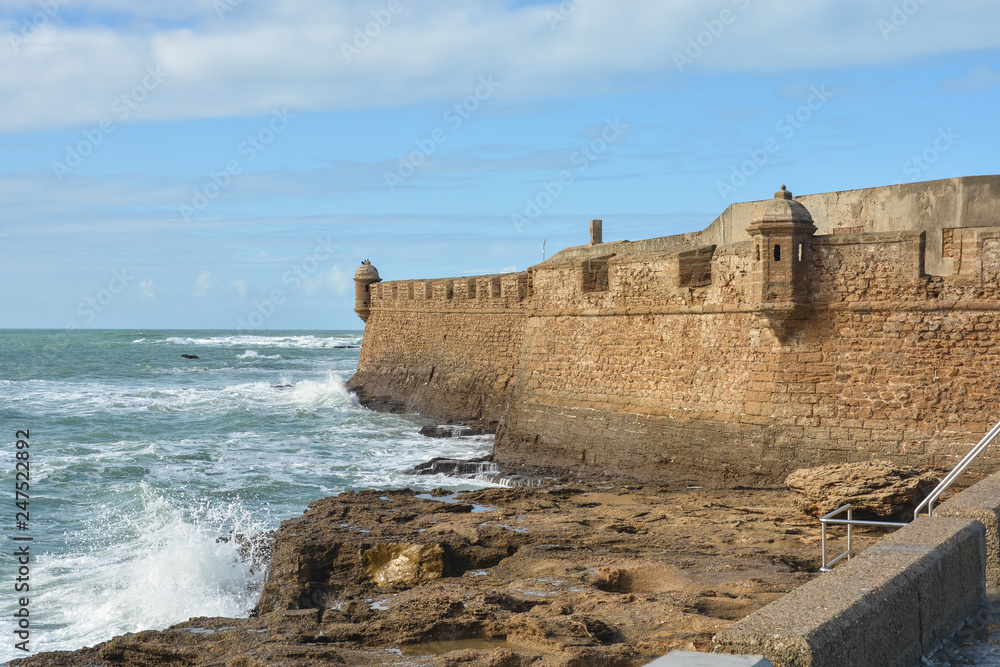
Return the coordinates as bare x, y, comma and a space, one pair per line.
447, 349
658, 360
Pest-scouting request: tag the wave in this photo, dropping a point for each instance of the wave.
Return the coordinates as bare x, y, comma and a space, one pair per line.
162, 562
100, 398
303, 342
253, 354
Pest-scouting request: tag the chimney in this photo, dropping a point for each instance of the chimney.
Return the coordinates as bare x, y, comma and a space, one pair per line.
595, 232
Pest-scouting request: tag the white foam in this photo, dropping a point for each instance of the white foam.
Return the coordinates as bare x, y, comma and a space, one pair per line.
253, 354
159, 566
247, 341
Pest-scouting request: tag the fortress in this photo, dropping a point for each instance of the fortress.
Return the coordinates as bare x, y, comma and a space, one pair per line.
792, 332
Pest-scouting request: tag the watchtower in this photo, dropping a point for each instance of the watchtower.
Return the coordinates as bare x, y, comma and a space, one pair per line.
364, 278
780, 237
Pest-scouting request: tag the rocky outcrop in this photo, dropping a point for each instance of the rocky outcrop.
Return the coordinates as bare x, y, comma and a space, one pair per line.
873, 488
556, 577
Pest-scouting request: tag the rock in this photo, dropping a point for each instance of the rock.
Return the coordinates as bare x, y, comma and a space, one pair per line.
403, 564
453, 430
454, 467
189, 356
873, 488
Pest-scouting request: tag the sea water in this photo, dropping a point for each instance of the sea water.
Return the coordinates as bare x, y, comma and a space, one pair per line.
150, 474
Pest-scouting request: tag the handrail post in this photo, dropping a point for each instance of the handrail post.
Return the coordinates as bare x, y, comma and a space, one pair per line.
850, 518
822, 533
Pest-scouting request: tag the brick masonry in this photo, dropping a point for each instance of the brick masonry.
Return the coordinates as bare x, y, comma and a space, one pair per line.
677, 359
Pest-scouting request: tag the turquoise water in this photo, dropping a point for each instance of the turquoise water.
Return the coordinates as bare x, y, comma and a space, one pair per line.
140, 460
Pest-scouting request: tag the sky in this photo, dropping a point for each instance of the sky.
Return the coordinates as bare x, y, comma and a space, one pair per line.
228, 164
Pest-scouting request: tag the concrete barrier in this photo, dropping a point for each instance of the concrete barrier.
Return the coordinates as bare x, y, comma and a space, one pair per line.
693, 659
981, 502
899, 600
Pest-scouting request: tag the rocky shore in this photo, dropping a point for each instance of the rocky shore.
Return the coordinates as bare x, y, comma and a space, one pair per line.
564, 574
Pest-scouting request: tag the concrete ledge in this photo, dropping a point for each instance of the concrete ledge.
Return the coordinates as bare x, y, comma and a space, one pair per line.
982, 503
899, 600
693, 659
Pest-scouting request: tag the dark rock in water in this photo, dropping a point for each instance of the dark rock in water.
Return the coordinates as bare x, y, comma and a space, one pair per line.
453, 430
282, 386
453, 467
346, 347
253, 549
189, 356
379, 403
483, 469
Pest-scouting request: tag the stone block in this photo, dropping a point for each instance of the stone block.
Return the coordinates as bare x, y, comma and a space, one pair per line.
693, 659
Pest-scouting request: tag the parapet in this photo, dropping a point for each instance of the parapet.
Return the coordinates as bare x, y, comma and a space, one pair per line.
780, 257
936, 208
490, 291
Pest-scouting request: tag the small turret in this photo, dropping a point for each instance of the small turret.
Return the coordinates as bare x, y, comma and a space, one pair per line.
780, 237
364, 278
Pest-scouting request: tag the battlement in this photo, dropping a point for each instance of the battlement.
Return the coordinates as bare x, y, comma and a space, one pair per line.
500, 290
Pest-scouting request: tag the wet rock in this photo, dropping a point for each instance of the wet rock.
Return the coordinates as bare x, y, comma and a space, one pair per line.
873, 488
454, 430
454, 467
189, 356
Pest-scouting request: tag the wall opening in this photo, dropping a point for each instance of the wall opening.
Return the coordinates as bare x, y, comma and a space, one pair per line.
800, 252
777, 253
594, 275
694, 267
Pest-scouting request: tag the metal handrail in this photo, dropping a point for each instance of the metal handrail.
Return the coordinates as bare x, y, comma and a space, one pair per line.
849, 521
927, 502
956, 471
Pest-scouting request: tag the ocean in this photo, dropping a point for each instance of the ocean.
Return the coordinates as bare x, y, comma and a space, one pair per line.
147, 470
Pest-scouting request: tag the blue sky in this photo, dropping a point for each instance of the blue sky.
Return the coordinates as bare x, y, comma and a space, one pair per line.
229, 163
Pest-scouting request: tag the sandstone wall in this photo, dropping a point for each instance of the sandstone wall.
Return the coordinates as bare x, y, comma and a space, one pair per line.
447, 349
657, 360
653, 380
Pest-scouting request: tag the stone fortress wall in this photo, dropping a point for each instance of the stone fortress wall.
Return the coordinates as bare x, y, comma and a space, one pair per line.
789, 333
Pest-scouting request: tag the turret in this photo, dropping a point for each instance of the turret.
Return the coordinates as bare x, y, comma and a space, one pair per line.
780, 237
364, 278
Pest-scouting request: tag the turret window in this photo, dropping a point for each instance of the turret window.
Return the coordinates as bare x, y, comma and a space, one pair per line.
777, 253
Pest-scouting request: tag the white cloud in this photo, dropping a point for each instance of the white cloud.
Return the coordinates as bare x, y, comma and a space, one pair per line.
209, 284
147, 289
289, 52
203, 283
980, 78
239, 286
336, 281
